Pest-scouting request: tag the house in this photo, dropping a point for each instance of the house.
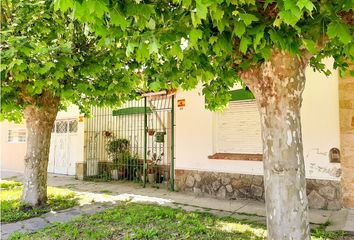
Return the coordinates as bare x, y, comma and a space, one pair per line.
209, 153
66, 144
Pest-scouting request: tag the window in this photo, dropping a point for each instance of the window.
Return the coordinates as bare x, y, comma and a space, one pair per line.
65, 126
16, 136
237, 129
62, 126
73, 126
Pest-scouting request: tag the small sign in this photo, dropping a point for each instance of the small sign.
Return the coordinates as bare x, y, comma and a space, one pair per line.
81, 118
181, 103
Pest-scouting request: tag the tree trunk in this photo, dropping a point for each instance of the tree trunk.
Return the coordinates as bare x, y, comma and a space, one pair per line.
39, 122
278, 85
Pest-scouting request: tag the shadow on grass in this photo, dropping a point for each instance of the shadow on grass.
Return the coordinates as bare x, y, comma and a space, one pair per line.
13, 210
145, 221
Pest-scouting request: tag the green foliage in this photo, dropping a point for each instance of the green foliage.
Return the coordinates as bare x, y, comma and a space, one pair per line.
118, 145
320, 233
7, 184
128, 163
47, 51
187, 42
143, 221
118, 150
12, 210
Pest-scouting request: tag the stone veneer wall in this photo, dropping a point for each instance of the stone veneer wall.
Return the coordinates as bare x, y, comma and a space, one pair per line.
346, 114
322, 194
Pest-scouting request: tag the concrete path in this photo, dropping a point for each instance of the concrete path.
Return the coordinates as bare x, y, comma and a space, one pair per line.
106, 194
37, 223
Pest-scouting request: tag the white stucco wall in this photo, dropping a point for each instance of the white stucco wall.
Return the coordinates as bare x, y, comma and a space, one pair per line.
320, 127
12, 154
320, 122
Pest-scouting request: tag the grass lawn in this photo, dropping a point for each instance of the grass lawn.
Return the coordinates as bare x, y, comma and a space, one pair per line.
144, 221
12, 210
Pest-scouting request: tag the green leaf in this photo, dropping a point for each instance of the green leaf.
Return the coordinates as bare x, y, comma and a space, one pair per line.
248, 18
155, 86
151, 24
258, 38
63, 5
142, 10
239, 29
340, 30
266, 52
216, 13
177, 51
245, 42
331, 30
96, 7
310, 45
67, 93
25, 50
351, 50
305, 4
213, 39
202, 9
130, 48
288, 17
142, 53
194, 35
118, 19
344, 34
58, 74
21, 77
351, 72
186, 3
195, 19
153, 46
290, 6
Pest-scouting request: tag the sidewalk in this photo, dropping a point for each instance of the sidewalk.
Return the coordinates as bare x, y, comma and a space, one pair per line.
110, 193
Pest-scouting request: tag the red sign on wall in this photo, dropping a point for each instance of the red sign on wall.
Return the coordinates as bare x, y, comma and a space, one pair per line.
181, 103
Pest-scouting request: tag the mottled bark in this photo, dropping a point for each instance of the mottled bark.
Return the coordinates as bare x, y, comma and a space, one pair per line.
278, 85
40, 116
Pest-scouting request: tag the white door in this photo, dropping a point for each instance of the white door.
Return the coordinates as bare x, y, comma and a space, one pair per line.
62, 149
73, 149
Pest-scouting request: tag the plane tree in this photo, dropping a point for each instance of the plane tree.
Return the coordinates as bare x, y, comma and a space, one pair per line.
264, 44
48, 61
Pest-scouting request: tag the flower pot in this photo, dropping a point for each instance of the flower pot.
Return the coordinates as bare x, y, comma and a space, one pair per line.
159, 178
151, 177
151, 132
114, 174
166, 175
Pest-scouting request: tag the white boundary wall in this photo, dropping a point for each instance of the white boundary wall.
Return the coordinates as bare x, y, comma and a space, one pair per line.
195, 131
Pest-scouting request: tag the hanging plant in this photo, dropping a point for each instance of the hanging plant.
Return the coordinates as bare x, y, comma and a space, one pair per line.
151, 132
118, 145
107, 133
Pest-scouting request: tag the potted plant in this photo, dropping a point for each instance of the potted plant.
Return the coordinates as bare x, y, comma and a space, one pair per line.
153, 174
118, 150
134, 166
151, 132
159, 177
121, 166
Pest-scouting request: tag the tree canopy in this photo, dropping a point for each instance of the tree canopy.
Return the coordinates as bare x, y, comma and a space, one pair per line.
183, 42
102, 52
44, 51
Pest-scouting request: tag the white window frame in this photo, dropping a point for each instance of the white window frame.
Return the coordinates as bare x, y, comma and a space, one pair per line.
16, 135
216, 119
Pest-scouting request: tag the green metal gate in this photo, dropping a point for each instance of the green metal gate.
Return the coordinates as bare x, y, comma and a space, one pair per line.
132, 143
